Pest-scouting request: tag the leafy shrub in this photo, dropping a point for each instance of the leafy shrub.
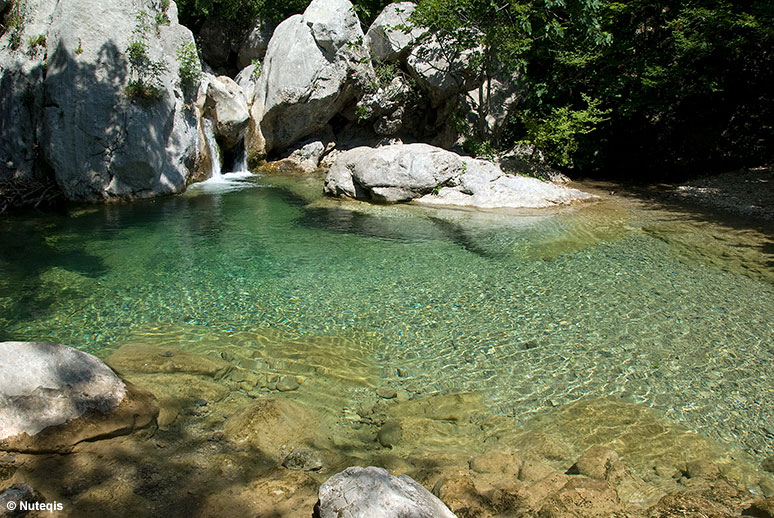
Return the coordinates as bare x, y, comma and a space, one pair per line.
190, 70
145, 73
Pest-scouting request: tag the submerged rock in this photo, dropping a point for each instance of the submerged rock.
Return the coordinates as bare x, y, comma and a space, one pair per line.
53, 397
274, 426
375, 493
432, 175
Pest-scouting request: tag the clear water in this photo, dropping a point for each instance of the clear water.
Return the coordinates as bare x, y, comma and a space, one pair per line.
534, 309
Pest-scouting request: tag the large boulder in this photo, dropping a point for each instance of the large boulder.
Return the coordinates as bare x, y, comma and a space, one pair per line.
431, 175
375, 493
314, 66
392, 173
75, 118
391, 35
53, 397
226, 106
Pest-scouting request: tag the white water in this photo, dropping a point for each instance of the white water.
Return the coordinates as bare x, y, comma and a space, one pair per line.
212, 146
218, 180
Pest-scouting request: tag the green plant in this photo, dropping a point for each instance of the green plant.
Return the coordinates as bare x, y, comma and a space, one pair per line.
258, 68
35, 43
557, 133
363, 113
145, 73
161, 18
15, 21
190, 70
164, 5
384, 74
79, 50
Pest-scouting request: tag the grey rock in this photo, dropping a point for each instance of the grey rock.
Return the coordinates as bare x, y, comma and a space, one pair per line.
256, 42
484, 185
768, 464
442, 70
375, 493
226, 106
314, 65
528, 160
247, 78
386, 38
391, 173
432, 175
390, 434
99, 143
500, 96
44, 384
303, 459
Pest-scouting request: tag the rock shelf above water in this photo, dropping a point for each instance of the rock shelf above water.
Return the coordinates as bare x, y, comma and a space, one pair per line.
431, 175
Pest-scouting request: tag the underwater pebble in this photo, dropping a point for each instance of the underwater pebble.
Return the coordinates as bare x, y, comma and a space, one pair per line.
287, 383
386, 392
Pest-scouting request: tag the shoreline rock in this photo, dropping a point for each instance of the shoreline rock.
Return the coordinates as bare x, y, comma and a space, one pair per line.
435, 176
53, 397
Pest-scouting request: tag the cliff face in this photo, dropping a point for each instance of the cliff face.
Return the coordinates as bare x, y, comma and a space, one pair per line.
66, 111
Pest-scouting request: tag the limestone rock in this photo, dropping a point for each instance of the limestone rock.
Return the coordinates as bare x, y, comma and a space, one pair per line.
274, 426
375, 493
484, 185
761, 508
256, 42
442, 70
391, 173
305, 156
431, 175
313, 67
99, 143
135, 357
595, 462
303, 459
226, 106
386, 39
53, 397
526, 159
17, 493
581, 498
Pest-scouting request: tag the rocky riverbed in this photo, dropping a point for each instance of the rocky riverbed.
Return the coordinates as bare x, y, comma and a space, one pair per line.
234, 438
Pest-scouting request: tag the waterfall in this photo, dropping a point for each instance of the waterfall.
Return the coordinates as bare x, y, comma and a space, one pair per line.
240, 160
212, 146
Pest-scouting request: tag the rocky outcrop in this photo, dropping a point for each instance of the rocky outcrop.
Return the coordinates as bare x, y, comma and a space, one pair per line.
314, 65
73, 117
432, 175
443, 70
256, 42
387, 38
375, 493
225, 105
53, 397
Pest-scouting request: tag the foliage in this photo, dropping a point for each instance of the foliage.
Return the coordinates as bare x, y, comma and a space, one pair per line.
15, 21
35, 43
190, 69
558, 132
145, 73
362, 112
258, 68
79, 50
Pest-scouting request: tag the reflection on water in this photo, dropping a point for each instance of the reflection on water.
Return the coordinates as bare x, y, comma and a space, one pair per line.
534, 309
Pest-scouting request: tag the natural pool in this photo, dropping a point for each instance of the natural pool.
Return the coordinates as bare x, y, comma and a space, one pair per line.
532, 309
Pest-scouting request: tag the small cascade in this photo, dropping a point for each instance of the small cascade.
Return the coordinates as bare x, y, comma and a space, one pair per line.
240, 160
212, 146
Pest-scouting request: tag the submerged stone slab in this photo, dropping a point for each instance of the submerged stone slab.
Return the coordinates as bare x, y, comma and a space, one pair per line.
53, 397
375, 493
